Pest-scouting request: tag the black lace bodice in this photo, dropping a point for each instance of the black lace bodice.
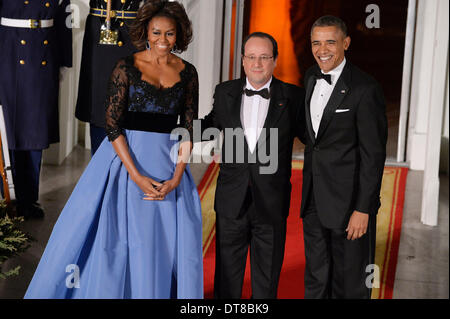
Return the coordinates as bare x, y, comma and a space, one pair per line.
133, 103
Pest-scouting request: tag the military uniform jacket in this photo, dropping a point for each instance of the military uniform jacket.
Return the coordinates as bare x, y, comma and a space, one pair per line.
98, 60
29, 71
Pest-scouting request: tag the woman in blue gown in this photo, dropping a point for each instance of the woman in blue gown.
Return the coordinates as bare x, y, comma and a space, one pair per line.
132, 226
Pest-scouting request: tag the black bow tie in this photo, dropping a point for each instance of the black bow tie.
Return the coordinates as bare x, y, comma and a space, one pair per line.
326, 77
264, 93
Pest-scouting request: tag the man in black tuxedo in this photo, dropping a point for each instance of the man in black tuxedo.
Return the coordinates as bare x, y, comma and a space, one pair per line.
346, 133
259, 115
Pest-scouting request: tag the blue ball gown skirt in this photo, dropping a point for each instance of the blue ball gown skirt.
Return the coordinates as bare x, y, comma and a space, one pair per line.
110, 243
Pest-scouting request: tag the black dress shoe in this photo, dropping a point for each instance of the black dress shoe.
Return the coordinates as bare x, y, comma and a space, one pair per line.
30, 211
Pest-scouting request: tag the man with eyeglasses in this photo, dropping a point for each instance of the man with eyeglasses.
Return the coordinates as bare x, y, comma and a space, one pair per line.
251, 204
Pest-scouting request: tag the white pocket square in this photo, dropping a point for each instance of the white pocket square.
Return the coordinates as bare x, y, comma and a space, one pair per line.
342, 110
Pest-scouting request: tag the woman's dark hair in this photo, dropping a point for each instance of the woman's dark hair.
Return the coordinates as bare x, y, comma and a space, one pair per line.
160, 8
330, 21
261, 35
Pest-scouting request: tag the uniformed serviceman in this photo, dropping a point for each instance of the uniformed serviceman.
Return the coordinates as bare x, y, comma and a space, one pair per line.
35, 41
98, 61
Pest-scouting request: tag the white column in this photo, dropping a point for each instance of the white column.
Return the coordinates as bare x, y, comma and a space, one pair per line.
238, 38
406, 79
205, 52
421, 83
206, 48
432, 91
444, 161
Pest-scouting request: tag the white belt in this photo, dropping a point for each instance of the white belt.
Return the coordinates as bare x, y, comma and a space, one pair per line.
26, 23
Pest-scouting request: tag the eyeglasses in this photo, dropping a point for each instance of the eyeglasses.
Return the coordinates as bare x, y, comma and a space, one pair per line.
262, 58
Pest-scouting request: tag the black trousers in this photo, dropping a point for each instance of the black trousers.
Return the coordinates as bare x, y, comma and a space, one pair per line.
26, 168
234, 237
335, 266
98, 134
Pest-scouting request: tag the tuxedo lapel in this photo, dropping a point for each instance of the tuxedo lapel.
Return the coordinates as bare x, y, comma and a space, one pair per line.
234, 101
310, 84
277, 105
337, 96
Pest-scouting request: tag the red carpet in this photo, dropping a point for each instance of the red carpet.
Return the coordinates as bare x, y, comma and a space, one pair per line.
291, 279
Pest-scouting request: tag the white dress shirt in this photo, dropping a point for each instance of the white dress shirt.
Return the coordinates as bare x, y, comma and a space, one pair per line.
321, 95
253, 114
